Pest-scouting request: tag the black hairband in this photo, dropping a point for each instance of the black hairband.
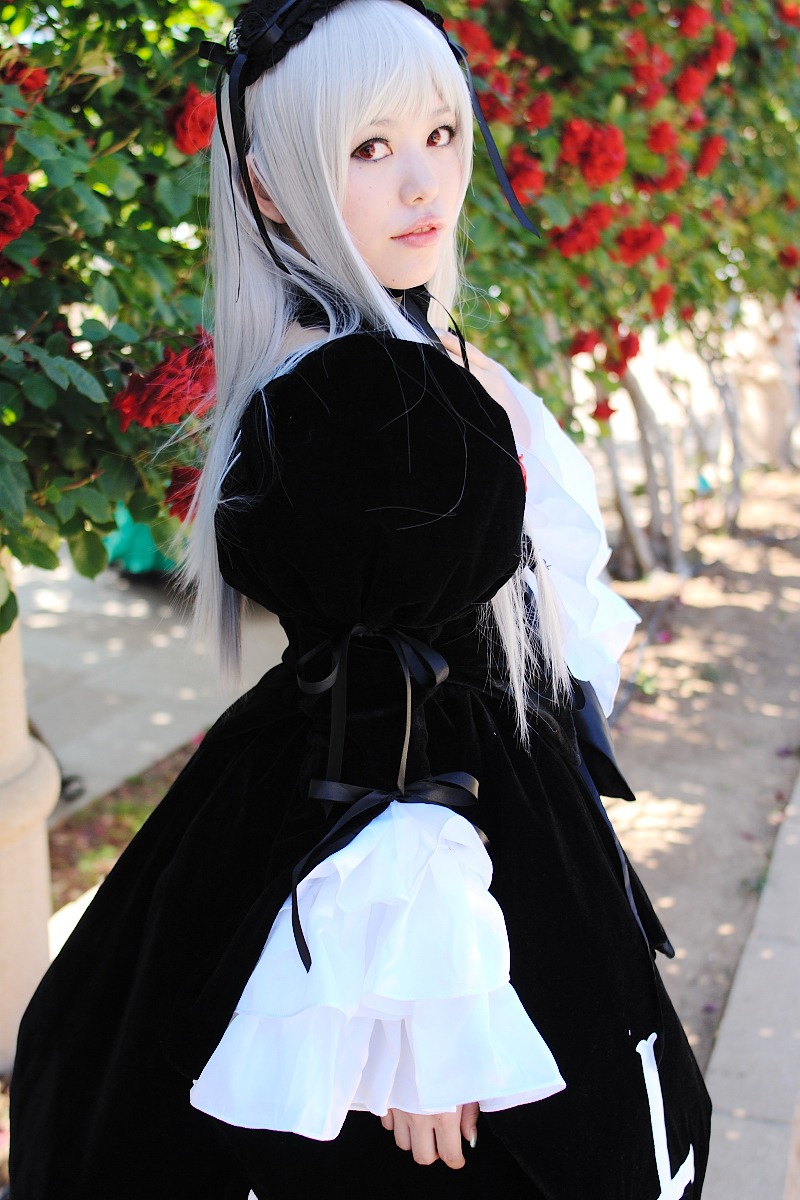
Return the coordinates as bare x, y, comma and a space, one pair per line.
259, 40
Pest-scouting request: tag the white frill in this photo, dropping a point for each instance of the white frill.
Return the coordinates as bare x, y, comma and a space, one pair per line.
563, 515
407, 1004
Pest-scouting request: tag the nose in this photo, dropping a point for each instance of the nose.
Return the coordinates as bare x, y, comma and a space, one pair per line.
420, 184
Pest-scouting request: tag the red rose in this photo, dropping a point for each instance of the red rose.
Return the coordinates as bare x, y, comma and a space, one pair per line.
526, 175
789, 257
673, 178
584, 342
661, 299
574, 137
662, 137
693, 20
721, 50
494, 109
686, 312
182, 383
597, 150
790, 13
583, 233
638, 241
10, 270
636, 10
16, 212
180, 493
627, 347
673, 219
636, 44
473, 37
710, 153
789, 203
583, 281
539, 113
691, 84
31, 81
191, 122
602, 411
696, 119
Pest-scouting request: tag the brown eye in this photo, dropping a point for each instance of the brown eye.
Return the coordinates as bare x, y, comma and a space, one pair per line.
372, 151
442, 136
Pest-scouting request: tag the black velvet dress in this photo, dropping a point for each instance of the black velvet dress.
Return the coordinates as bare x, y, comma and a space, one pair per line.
391, 502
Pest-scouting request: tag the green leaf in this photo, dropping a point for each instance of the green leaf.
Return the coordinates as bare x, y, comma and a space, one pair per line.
65, 507
39, 390
40, 148
143, 508
10, 452
94, 504
88, 553
14, 483
85, 382
32, 551
94, 331
176, 200
60, 171
8, 613
54, 366
14, 353
554, 209
105, 294
124, 333
119, 476
5, 586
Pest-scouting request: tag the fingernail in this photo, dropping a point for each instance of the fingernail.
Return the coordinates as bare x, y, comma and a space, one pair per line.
473, 1141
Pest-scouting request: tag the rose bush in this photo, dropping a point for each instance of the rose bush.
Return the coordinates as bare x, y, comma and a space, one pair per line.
655, 143
104, 114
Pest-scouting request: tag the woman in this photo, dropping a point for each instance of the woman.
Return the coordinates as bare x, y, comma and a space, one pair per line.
298, 965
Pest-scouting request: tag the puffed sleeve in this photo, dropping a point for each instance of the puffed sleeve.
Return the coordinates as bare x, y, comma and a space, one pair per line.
375, 483
562, 511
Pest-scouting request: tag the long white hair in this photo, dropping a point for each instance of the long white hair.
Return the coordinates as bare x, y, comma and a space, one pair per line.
366, 57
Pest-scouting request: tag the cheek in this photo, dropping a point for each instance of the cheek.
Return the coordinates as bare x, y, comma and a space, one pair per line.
359, 208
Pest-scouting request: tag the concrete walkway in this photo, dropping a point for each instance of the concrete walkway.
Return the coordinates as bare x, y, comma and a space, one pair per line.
114, 684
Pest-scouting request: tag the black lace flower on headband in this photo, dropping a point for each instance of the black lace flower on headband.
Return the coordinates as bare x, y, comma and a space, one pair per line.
262, 35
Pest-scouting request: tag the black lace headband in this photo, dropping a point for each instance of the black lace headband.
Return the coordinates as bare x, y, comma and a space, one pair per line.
261, 36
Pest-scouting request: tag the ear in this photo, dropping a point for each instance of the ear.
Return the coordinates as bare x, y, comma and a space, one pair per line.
266, 204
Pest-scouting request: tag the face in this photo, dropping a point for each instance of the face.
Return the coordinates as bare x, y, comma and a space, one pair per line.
403, 194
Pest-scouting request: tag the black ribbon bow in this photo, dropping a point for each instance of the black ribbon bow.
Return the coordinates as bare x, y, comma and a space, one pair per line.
456, 789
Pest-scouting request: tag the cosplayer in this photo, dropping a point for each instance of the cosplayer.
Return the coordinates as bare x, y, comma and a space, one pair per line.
379, 939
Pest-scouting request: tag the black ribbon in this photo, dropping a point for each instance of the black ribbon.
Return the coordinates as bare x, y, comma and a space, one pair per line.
425, 666
454, 790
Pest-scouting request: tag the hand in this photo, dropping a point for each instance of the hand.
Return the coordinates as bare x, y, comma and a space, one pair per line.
432, 1137
491, 376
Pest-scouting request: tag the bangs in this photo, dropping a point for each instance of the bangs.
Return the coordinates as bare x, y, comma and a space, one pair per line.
398, 64
371, 59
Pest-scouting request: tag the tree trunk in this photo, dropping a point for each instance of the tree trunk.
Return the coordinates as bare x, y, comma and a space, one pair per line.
649, 437
637, 539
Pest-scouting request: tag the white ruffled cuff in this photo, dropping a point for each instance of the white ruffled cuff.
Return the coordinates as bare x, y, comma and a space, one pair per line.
407, 1004
563, 514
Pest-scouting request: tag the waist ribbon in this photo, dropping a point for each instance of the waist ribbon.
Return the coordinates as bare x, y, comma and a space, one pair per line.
456, 789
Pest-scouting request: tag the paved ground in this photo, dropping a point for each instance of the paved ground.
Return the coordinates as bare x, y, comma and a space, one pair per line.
114, 685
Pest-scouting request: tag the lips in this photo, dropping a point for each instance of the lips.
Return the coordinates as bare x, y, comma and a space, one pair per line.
423, 232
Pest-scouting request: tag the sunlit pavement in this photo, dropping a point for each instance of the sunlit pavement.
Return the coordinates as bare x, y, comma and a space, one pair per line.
115, 681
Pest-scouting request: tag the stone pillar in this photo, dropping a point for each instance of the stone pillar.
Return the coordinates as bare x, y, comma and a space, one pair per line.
29, 789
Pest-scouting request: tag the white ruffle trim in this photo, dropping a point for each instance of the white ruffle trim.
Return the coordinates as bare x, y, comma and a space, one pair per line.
563, 514
407, 1004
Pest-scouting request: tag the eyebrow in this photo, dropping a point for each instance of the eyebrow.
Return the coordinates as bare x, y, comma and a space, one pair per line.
437, 112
